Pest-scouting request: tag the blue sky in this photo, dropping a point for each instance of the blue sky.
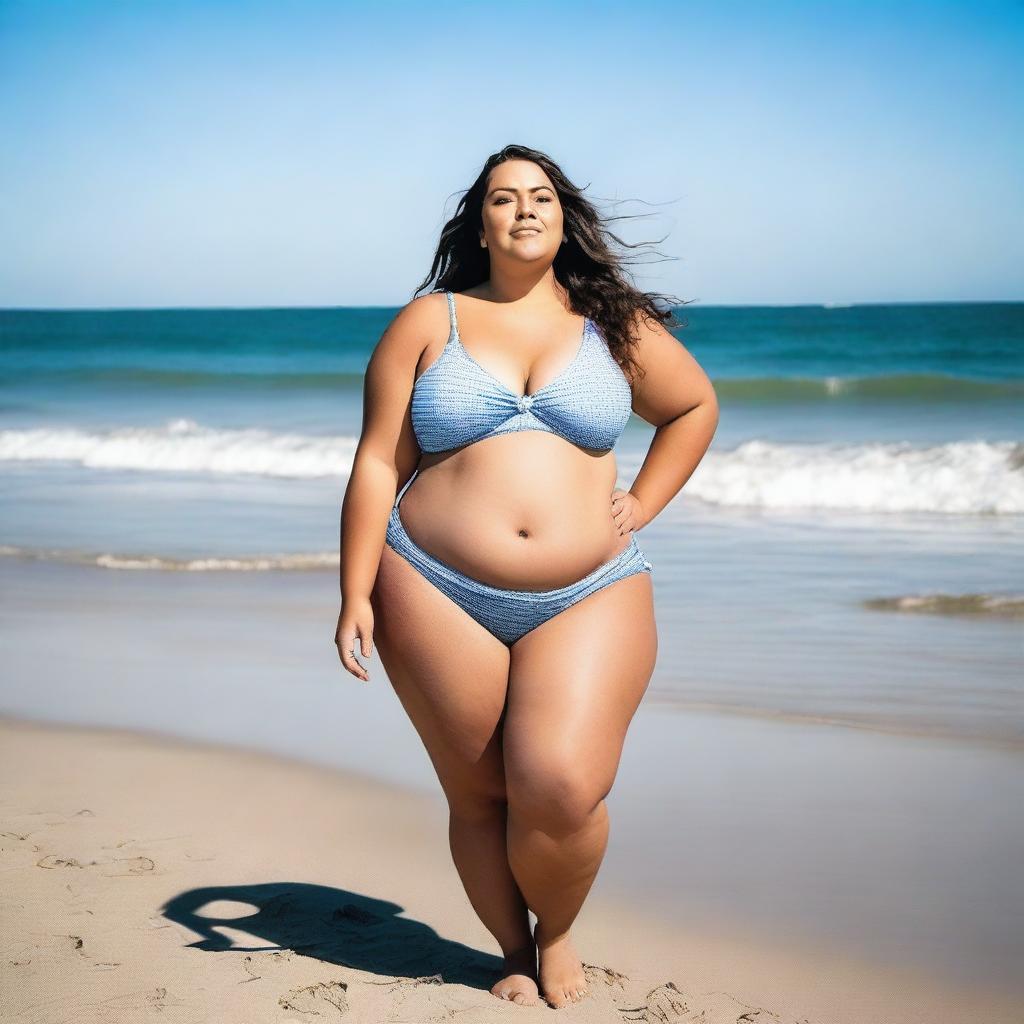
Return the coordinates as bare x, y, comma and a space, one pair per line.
307, 153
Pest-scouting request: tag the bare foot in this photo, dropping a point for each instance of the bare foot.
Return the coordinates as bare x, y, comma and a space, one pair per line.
518, 982
562, 980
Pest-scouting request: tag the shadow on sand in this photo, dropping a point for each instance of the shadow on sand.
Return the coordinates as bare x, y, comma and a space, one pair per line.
334, 926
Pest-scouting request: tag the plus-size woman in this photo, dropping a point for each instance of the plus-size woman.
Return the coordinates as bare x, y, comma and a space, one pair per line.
485, 551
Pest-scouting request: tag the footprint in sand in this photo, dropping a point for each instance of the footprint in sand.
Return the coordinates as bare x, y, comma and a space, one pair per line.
53, 861
115, 868
666, 1005
598, 976
663, 1004
318, 999
129, 866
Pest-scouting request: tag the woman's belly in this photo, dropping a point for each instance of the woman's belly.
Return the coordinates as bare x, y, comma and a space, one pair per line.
523, 511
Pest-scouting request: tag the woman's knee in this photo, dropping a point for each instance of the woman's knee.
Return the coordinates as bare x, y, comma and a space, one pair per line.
557, 798
476, 794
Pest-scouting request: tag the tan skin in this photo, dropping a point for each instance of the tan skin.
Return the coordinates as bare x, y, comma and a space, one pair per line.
525, 739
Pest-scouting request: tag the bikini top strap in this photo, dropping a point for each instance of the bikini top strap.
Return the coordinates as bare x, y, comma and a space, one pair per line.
451, 312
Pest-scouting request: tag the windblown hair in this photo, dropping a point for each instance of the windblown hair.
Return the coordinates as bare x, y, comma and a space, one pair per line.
588, 265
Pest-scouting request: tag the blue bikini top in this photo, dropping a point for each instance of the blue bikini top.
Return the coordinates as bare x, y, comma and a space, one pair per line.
456, 402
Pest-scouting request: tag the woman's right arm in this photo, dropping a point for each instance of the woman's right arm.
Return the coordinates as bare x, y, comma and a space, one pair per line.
386, 454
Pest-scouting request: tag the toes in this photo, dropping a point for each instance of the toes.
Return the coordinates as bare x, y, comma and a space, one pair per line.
565, 996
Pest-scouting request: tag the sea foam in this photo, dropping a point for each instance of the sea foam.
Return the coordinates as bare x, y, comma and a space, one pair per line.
958, 477
184, 446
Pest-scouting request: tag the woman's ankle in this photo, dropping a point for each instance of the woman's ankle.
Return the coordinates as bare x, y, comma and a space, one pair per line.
520, 949
542, 937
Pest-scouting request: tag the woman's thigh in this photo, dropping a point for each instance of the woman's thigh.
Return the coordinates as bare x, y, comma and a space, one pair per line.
575, 683
451, 676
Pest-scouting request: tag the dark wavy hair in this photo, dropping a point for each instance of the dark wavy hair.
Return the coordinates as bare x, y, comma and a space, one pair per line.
590, 264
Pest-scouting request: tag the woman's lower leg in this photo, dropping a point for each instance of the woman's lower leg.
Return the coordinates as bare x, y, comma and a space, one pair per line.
478, 841
554, 870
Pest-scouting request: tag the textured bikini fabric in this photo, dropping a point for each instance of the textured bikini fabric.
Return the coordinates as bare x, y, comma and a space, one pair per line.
509, 614
457, 402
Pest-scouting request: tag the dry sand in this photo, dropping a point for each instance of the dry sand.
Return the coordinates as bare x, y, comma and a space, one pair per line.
150, 879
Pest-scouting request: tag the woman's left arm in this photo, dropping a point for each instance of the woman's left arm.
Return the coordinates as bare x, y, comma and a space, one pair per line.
674, 395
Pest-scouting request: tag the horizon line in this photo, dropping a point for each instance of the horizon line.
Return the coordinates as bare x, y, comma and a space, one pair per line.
692, 302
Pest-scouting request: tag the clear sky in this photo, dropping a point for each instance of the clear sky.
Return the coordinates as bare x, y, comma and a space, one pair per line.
306, 153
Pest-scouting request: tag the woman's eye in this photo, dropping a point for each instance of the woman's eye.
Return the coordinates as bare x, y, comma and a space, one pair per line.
501, 199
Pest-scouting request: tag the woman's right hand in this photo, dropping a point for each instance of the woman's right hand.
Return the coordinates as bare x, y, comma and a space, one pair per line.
355, 620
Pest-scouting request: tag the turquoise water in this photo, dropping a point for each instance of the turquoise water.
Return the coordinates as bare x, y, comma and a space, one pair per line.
863, 453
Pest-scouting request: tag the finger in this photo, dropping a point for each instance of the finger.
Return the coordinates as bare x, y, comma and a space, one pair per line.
346, 648
355, 668
339, 642
348, 642
359, 668
367, 645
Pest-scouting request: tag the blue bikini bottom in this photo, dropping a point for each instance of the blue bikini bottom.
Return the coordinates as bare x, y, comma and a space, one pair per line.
509, 614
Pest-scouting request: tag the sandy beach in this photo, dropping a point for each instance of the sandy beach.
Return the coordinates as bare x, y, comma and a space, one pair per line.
149, 878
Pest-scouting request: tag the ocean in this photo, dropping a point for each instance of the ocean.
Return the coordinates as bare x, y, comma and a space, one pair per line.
848, 552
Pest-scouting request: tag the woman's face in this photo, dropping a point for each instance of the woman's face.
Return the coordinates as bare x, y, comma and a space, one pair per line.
522, 217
